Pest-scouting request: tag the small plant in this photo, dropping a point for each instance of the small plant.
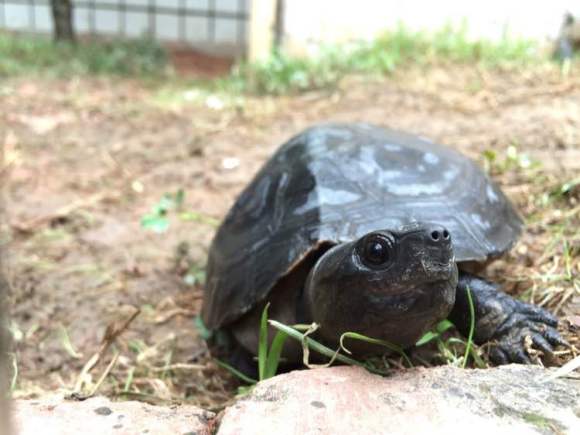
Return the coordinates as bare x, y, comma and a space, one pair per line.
158, 219
429, 336
567, 190
512, 159
268, 358
447, 348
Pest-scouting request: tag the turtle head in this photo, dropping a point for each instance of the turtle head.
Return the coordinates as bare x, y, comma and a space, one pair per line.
389, 285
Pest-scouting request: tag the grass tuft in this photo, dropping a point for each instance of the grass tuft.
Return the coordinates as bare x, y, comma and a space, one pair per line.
282, 73
25, 54
268, 358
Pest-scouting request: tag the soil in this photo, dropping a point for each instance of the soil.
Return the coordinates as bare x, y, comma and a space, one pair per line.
187, 62
87, 158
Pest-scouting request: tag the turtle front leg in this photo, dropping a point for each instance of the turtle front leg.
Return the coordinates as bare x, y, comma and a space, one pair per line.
501, 319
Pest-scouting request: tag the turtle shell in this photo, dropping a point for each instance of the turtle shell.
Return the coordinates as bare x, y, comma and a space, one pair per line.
334, 183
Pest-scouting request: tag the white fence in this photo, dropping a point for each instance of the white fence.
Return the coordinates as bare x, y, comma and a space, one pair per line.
219, 25
222, 25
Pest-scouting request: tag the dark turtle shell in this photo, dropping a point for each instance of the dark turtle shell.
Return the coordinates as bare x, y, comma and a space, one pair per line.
334, 183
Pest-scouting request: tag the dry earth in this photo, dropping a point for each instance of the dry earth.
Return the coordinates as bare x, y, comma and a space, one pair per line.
88, 158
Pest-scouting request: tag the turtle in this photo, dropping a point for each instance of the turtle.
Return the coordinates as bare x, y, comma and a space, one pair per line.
360, 228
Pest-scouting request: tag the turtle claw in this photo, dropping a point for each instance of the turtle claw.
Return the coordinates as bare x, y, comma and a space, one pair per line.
510, 325
535, 313
502, 354
498, 356
520, 357
541, 343
554, 337
525, 321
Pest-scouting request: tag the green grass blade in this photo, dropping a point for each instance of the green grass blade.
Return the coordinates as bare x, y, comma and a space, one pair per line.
273, 359
479, 362
320, 348
263, 343
386, 344
235, 372
426, 338
443, 326
202, 330
129, 380
471, 327
195, 216
313, 344
429, 336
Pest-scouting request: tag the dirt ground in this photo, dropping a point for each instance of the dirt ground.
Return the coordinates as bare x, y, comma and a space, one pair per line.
87, 158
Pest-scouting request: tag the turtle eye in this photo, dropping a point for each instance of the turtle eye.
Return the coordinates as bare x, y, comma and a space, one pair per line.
377, 251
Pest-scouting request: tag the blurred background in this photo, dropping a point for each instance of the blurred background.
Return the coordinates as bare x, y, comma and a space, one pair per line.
129, 126
241, 29
223, 26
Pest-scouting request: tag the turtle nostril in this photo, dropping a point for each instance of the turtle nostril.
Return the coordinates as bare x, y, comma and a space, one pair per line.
435, 235
445, 235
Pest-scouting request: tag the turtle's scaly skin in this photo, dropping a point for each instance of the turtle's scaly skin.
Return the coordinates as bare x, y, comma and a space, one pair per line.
333, 184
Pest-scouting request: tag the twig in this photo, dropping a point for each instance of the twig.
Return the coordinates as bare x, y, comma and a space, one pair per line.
171, 314
105, 374
178, 366
565, 370
113, 331
62, 212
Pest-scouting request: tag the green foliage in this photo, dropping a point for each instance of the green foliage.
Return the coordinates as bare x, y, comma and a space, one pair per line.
392, 347
296, 334
282, 73
21, 54
429, 336
566, 190
236, 373
269, 359
202, 330
195, 216
512, 159
449, 348
195, 275
158, 220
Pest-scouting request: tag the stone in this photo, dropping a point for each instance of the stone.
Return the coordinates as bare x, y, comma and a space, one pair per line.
512, 399
99, 416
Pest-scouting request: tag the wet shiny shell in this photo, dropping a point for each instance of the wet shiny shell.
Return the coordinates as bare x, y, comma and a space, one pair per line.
335, 183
